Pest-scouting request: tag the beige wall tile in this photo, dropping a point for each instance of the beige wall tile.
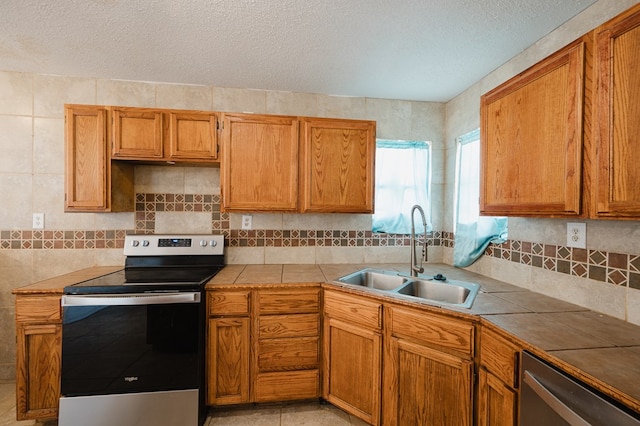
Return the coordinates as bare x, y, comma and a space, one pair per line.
258, 220
341, 107
427, 122
159, 179
393, 118
202, 180
109, 257
16, 93
239, 100
387, 255
340, 255
245, 255
182, 96
310, 221
16, 190
126, 93
107, 221
183, 223
347, 221
48, 198
288, 103
290, 255
50, 93
48, 145
16, 144
50, 263
633, 306
15, 271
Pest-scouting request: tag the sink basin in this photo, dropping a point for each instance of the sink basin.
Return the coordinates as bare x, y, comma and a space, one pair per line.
457, 293
438, 289
380, 280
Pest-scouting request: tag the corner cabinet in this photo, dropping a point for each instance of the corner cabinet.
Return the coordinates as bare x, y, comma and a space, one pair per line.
618, 116
531, 139
297, 164
337, 165
92, 182
38, 356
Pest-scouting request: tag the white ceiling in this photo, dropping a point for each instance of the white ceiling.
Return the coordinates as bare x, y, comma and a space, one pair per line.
428, 50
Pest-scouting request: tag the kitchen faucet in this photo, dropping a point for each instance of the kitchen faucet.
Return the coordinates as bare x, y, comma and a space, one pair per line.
415, 269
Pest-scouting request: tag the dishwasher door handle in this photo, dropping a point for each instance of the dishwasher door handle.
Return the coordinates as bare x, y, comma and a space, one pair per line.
130, 299
570, 416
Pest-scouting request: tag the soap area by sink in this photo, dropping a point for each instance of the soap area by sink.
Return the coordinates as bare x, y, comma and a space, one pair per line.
436, 289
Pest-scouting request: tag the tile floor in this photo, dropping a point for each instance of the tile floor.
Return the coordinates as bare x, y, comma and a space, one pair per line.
291, 414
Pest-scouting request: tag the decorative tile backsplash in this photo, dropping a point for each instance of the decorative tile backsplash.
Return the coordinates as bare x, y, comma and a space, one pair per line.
612, 268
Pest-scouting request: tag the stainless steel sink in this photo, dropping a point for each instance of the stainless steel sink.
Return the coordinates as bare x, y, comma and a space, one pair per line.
450, 292
438, 289
372, 278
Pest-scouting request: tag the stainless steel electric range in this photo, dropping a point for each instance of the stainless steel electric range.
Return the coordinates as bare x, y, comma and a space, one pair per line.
133, 340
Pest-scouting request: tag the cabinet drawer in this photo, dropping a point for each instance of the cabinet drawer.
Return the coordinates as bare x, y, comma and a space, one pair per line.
298, 325
38, 308
287, 385
228, 302
353, 309
500, 357
289, 301
288, 354
442, 332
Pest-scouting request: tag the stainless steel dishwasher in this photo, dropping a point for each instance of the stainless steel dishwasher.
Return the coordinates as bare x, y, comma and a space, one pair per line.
551, 397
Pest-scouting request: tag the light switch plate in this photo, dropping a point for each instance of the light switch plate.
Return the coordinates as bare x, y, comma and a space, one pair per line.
577, 235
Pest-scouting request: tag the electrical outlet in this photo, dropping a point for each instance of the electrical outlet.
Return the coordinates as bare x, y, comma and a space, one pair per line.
246, 222
577, 235
38, 221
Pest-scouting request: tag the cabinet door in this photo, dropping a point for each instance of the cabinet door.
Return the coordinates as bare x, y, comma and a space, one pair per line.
259, 169
337, 167
192, 136
228, 361
426, 386
137, 133
86, 168
38, 367
531, 139
352, 365
497, 403
618, 116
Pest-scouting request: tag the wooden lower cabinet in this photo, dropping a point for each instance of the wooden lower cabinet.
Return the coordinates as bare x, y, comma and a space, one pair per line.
497, 402
498, 380
428, 369
353, 362
263, 344
228, 361
38, 356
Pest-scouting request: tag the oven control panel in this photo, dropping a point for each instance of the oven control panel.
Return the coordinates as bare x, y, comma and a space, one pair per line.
161, 244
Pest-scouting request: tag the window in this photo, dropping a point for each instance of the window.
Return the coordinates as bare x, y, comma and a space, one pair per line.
473, 232
403, 179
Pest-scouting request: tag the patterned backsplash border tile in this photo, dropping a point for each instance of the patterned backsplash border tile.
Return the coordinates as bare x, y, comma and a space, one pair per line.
613, 268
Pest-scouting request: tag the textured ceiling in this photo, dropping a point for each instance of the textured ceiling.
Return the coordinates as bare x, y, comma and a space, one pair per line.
429, 50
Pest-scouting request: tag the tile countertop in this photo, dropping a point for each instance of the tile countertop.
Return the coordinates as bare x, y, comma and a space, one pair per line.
601, 350
596, 348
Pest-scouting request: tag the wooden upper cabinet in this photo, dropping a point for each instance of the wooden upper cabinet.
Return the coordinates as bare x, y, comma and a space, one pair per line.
192, 136
259, 169
531, 139
137, 133
337, 165
92, 183
618, 116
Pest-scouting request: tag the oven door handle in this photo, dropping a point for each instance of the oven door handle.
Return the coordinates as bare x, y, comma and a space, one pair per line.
130, 299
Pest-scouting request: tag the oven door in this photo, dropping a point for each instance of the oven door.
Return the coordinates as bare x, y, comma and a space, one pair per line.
119, 348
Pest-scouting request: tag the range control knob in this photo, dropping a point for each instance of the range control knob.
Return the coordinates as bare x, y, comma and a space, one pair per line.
145, 243
203, 243
214, 243
135, 243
